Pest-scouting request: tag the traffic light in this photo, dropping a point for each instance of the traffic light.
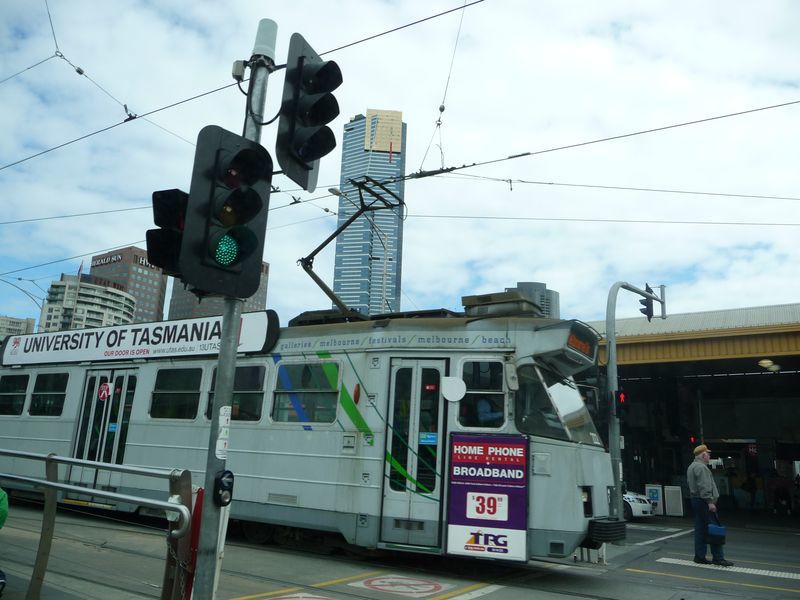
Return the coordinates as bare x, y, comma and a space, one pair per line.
164, 244
306, 109
226, 217
223, 488
692, 439
621, 402
647, 311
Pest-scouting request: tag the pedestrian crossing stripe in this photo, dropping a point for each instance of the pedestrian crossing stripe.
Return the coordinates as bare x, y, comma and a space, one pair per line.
744, 570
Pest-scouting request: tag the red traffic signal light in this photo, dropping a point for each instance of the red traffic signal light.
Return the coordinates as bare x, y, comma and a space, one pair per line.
621, 404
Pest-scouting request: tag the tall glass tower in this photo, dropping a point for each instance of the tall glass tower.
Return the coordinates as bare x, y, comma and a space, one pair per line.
368, 263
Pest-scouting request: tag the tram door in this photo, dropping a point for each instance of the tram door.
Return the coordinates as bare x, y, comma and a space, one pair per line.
103, 423
413, 484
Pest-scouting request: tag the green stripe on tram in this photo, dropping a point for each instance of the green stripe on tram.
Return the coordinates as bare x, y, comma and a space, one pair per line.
331, 371
400, 469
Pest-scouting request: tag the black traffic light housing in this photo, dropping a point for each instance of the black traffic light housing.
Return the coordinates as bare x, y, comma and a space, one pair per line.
223, 488
647, 303
306, 109
226, 218
164, 244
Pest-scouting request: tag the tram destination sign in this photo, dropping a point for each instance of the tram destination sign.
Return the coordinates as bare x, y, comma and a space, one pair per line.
258, 332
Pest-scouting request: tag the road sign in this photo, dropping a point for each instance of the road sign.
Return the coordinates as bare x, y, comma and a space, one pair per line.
410, 587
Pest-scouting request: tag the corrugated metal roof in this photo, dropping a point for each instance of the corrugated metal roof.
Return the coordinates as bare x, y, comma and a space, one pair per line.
713, 320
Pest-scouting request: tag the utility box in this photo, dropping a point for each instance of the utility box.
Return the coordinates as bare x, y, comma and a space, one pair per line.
673, 500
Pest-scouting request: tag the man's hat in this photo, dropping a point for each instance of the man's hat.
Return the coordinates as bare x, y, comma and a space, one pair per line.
700, 449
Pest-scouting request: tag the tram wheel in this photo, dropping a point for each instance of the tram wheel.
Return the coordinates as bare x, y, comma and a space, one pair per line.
257, 533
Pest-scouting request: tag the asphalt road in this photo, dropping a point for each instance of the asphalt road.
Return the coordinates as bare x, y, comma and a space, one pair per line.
95, 558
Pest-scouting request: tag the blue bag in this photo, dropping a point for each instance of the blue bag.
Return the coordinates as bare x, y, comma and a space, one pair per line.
716, 532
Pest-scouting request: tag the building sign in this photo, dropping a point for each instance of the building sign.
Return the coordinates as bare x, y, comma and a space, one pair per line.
487, 512
106, 260
258, 332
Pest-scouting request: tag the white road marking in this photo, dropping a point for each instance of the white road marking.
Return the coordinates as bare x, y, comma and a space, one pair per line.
650, 527
666, 537
745, 570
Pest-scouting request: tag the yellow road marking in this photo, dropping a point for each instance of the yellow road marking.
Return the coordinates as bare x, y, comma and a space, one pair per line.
709, 580
458, 592
321, 584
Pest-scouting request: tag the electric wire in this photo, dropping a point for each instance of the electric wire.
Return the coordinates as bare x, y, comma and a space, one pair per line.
388, 31
438, 125
297, 201
592, 220
423, 174
2, 81
620, 187
88, 135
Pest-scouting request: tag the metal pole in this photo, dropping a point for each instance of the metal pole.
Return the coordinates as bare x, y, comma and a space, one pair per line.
611, 376
261, 64
613, 383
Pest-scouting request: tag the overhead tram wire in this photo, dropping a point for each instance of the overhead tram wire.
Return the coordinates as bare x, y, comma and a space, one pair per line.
438, 126
618, 187
423, 174
461, 176
88, 135
622, 221
388, 31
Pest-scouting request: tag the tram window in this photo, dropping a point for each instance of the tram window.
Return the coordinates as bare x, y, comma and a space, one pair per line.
248, 393
484, 403
306, 393
48, 396
176, 394
534, 410
12, 394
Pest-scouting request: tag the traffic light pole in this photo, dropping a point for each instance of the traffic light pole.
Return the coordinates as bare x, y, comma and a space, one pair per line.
611, 377
208, 554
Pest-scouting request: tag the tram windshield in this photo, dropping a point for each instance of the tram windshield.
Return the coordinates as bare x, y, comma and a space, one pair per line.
550, 406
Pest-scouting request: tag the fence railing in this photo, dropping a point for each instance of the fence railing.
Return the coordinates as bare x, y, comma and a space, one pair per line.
180, 498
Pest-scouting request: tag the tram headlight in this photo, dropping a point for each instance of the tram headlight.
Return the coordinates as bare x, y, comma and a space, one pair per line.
223, 488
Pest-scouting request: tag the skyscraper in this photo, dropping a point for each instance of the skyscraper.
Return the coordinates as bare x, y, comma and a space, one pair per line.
368, 263
183, 304
127, 269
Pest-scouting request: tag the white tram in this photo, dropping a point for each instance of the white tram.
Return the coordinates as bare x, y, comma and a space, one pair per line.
362, 428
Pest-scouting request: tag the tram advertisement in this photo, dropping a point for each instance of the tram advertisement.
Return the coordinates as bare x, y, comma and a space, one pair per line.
487, 512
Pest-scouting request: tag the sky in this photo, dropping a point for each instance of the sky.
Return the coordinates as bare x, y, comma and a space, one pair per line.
704, 203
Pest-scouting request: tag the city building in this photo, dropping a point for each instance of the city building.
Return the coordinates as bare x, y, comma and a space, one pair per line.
183, 304
537, 292
74, 302
15, 326
368, 262
128, 270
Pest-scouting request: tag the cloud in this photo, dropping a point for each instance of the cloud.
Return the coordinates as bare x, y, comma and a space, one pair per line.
525, 77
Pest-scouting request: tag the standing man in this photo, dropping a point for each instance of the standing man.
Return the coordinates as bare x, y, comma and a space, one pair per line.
704, 495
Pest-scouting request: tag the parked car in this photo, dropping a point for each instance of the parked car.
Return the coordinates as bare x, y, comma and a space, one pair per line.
636, 505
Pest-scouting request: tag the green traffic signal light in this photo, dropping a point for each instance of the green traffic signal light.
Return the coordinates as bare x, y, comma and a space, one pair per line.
226, 251
222, 248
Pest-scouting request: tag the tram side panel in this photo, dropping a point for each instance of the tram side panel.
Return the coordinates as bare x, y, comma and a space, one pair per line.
37, 414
